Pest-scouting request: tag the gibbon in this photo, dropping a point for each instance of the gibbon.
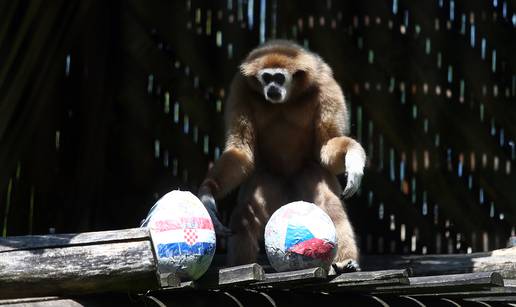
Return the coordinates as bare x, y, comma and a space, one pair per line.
286, 124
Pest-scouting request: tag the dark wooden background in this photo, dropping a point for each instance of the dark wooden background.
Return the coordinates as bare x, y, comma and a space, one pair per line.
107, 105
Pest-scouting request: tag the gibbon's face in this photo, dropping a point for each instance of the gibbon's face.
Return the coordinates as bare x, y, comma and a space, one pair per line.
279, 74
275, 83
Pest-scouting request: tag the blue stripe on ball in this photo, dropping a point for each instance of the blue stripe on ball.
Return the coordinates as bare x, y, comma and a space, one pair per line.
181, 248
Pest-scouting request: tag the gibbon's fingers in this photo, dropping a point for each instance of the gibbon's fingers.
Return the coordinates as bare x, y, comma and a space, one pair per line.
352, 184
355, 162
209, 203
346, 266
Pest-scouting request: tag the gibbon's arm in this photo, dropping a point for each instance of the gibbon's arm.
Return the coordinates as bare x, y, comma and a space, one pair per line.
237, 160
337, 153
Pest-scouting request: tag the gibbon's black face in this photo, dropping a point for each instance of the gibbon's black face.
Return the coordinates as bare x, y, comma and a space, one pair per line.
276, 84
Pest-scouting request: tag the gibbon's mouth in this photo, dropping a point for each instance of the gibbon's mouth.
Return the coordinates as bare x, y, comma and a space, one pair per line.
274, 93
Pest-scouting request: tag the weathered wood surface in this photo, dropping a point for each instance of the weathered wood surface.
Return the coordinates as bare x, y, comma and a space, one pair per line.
369, 285
292, 277
318, 279
481, 278
216, 278
41, 302
169, 280
88, 263
446, 283
494, 291
363, 277
502, 261
96, 300
241, 274
71, 239
363, 281
123, 260
493, 299
510, 282
310, 279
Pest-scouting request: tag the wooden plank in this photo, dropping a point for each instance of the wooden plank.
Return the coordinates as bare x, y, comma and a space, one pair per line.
292, 277
169, 280
316, 279
446, 283
502, 260
185, 285
241, 274
41, 302
223, 277
493, 299
365, 281
357, 277
93, 300
496, 291
74, 239
481, 278
72, 270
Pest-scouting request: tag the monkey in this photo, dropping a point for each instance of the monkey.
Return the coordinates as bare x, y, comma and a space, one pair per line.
287, 127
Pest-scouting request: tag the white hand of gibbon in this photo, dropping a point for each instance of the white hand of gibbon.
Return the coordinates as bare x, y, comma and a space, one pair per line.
209, 203
355, 162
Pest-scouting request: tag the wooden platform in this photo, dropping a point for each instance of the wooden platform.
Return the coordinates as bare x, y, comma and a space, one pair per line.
118, 268
249, 285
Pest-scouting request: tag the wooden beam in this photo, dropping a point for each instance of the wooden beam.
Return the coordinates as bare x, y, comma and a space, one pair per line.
358, 277
288, 279
495, 291
216, 278
365, 281
482, 278
502, 261
72, 239
493, 299
446, 283
95, 300
41, 302
98, 262
241, 274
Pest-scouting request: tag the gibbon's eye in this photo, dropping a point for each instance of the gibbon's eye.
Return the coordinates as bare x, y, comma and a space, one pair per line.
279, 78
267, 78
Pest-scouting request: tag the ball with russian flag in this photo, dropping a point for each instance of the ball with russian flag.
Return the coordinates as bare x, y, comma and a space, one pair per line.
182, 235
300, 235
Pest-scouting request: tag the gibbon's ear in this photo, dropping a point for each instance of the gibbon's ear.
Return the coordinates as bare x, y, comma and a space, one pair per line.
300, 74
307, 66
249, 69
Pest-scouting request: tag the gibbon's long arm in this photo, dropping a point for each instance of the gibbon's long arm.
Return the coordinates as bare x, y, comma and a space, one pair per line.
337, 153
237, 161
233, 166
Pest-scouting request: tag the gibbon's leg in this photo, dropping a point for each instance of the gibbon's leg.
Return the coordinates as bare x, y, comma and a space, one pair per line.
258, 198
316, 184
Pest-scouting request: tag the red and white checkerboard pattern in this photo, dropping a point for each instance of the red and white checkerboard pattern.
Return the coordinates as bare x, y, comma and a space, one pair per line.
190, 236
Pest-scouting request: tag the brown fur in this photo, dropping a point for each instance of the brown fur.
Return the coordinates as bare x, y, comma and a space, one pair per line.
283, 152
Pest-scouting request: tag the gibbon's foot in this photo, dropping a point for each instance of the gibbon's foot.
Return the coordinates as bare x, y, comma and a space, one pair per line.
209, 203
346, 266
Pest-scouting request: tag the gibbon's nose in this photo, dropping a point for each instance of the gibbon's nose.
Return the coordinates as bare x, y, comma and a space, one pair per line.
274, 93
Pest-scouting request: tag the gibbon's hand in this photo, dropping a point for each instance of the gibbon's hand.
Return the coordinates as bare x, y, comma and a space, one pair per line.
355, 162
209, 203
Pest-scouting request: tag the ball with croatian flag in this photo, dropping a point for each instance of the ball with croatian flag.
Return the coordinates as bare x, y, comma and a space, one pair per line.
182, 234
300, 235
